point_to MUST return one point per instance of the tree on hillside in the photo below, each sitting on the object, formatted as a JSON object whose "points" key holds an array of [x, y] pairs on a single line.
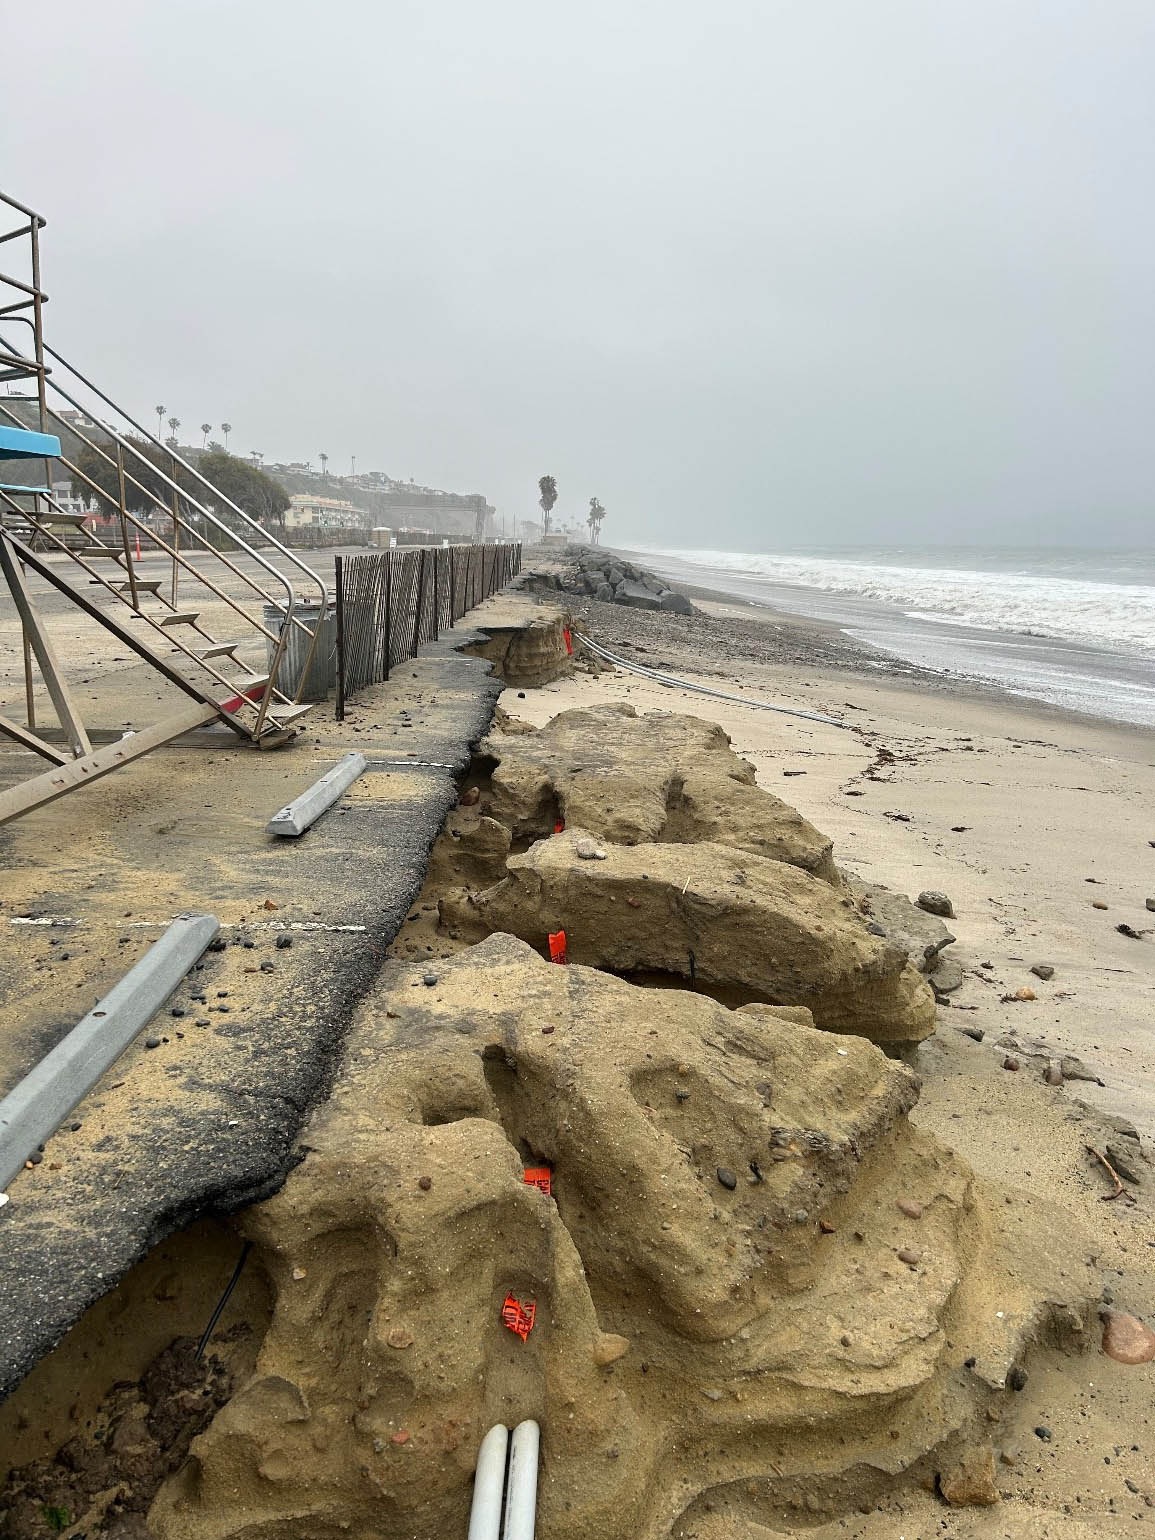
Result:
{"points": [[252, 490], [206, 429], [97, 476], [324, 459], [547, 486], [226, 429], [160, 411], [594, 519], [173, 425]]}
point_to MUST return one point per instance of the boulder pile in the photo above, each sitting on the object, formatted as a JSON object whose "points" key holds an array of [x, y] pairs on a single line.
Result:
{"points": [[611, 579]]}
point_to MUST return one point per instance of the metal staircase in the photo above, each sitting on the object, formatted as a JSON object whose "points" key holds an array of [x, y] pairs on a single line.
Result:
{"points": [[211, 607]]}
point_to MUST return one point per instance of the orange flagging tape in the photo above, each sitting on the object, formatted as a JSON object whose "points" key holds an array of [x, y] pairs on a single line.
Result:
{"points": [[540, 1177], [568, 640], [557, 946], [559, 826], [518, 1317]]}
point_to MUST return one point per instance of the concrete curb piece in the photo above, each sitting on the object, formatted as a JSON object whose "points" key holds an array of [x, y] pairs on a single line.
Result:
{"points": [[304, 810], [35, 1108]]}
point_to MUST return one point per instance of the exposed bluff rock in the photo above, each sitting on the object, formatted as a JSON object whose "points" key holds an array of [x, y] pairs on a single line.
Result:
{"points": [[630, 779], [726, 1191], [750, 928]]}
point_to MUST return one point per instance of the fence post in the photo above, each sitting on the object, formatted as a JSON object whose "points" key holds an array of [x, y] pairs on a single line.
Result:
{"points": [[388, 611], [339, 587], [436, 597], [417, 606]]}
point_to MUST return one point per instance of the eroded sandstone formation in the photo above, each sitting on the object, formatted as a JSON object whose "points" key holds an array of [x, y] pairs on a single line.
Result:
{"points": [[743, 926], [814, 1298], [631, 779]]}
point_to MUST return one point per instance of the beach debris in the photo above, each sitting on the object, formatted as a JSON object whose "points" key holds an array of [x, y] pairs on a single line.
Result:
{"points": [[1130, 931], [519, 1315], [1119, 1191], [1043, 971], [970, 1483], [901, 818], [557, 947], [976, 1034], [1126, 1339], [1024, 992], [934, 902]]}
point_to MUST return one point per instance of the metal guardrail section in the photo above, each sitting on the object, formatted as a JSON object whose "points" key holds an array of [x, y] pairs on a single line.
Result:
{"points": [[390, 602], [147, 489]]}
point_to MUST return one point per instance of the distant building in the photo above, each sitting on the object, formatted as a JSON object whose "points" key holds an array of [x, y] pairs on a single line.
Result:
{"points": [[306, 511]]}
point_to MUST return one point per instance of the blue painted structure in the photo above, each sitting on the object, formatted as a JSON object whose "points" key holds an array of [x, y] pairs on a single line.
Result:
{"points": [[23, 444]]}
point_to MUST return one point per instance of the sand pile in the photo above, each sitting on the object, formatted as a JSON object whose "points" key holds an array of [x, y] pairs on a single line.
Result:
{"points": [[758, 1290]]}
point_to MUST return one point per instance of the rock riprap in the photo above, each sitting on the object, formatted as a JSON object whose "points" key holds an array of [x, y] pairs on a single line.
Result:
{"points": [[749, 928], [689, 1340], [601, 575], [627, 778]]}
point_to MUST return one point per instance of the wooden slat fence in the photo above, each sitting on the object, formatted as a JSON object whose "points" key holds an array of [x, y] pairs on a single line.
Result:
{"points": [[390, 602]]}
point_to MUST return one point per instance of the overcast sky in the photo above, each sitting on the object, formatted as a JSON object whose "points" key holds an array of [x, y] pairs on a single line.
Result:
{"points": [[754, 272]]}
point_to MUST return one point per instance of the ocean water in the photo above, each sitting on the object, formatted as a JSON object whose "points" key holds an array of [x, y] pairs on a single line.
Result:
{"points": [[1075, 628]]}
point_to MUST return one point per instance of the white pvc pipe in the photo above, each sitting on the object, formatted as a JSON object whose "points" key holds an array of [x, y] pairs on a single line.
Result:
{"points": [[521, 1487], [488, 1485]]}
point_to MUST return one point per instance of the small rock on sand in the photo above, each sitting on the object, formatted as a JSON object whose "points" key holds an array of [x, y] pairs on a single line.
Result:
{"points": [[910, 1208], [1053, 1074], [1042, 970], [971, 1482], [935, 903], [609, 1348], [911, 1258], [1151, 905], [1010, 1062], [1098, 904], [727, 1178], [588, 850], [1126, 1339]]}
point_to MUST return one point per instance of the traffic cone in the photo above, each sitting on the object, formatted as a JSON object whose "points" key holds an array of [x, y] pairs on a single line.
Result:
{"points": [[138, 545]]}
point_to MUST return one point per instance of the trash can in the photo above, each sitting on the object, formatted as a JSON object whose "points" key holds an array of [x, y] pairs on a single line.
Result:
{"points": [[322, 675]]}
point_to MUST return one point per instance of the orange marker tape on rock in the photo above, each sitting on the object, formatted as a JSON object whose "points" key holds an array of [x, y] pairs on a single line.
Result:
{"points": [[557, 952], [540, 1177], [568, 640]]}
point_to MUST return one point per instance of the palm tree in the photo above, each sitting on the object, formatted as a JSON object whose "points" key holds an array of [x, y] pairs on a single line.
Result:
{"points": [[594, 519], [547, 486], [160, 411], [206, 429], [173, 425], [324, 459], [226, 429]]}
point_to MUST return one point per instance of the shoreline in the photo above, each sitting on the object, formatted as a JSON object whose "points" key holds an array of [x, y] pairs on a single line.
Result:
{"points": [[940, 638]]}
